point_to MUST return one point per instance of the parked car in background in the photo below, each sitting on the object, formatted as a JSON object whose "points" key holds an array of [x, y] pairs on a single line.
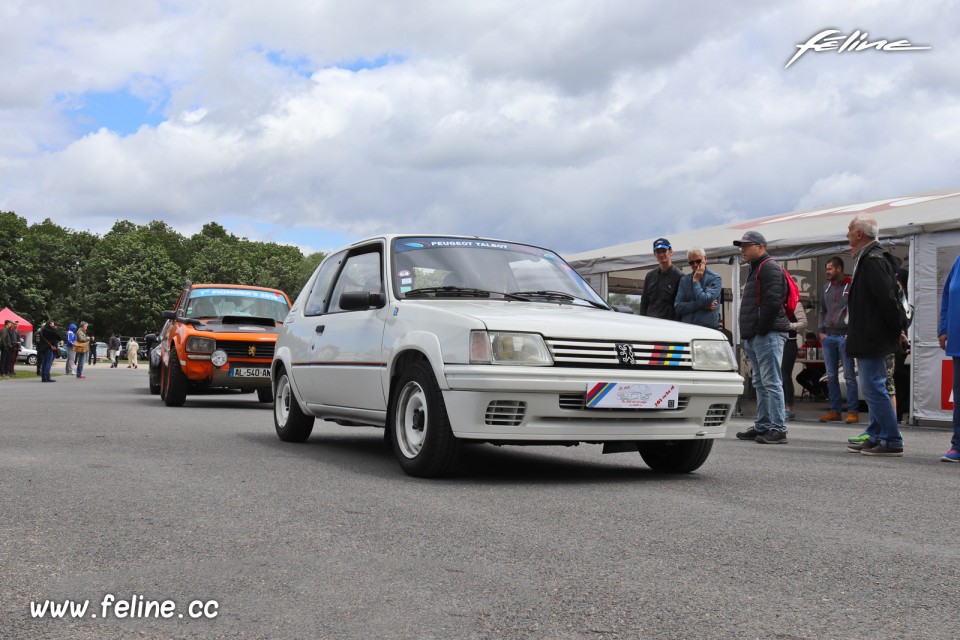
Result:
{"points": [[217, 336], [27, 355], [448, 340]]}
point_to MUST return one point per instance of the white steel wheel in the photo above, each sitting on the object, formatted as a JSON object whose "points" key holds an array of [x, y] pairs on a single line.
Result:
{"points": [[423, 441], [412, 417], [291, 423]]}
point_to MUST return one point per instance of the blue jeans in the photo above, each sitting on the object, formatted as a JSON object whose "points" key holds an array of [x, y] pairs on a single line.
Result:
{"points": [[766, 354], [834, 352], [955, 442], [883, 426], [47, 364], [81, 358]]}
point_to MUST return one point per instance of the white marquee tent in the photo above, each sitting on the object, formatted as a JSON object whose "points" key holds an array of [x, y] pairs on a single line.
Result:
{"points": [[922, 229]]}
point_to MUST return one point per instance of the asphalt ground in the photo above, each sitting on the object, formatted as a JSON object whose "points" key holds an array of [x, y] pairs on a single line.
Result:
{"points": [[103, 490]]}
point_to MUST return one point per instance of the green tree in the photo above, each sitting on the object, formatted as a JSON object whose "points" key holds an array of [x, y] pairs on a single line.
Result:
{"points": [[12, 230], [305, 269], [133, 283]]}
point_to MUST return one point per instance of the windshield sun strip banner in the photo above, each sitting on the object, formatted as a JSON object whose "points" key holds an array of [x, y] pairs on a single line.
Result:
{"points": [[414, 244], [247, 293]]}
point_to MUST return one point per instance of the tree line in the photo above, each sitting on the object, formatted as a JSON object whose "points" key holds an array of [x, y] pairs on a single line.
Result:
{"points": [[123, 281]]}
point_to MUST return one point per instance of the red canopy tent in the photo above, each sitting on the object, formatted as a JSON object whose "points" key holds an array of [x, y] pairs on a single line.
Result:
{"points": [[23, 327]]}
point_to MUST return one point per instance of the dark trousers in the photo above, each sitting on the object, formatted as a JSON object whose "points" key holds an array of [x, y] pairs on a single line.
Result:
{"points": [[786, 370], [4, 361]]}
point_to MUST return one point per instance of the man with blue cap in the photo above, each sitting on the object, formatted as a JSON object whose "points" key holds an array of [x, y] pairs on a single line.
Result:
{"points": [[660, 286]]}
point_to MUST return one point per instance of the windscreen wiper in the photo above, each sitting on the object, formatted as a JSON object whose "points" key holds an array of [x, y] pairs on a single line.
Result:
{"points": [[557, 295], [461, 292], [467, 292]]}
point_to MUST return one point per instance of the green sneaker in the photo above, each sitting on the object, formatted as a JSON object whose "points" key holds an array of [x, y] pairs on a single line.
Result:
{"points": [[858, 439]]}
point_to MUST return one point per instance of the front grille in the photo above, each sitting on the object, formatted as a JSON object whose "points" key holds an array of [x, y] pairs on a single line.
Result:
{"points": [[241, 349], [577, 402], [606, 354], [716, 415], [505, 413]]}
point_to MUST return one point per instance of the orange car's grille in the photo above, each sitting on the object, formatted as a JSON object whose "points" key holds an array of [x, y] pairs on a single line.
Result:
{"points": [[246, 349]]}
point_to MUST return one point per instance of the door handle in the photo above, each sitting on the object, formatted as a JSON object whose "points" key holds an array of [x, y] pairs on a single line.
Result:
{"points": [[320, 329]]}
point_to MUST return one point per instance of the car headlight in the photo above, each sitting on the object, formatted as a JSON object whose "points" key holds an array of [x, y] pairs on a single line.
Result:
{"points": [[197, 344], [505, 347], [218, 358], [712, 355]]}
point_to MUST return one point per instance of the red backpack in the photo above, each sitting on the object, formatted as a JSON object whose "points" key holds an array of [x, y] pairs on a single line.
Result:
{"points": [[793, 291]]}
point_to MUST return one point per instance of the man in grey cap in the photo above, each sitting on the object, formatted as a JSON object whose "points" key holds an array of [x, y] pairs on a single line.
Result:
{"points": [[763, 329], [660, 285]]}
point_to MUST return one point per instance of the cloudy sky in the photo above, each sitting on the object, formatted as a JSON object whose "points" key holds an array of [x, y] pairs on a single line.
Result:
{"points": [[574, 124]]}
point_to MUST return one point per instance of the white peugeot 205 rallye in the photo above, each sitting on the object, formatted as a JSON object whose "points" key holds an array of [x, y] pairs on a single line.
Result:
{"points": [[448, 340]]}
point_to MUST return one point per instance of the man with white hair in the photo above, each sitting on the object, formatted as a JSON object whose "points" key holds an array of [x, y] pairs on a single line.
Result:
{"points": [[698, 296], [873, 332]]}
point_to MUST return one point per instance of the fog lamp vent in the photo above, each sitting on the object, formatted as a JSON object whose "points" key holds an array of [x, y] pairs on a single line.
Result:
{"points": [[716, 415], [505, 413]]}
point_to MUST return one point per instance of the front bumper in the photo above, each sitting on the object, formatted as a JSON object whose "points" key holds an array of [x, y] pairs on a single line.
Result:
{"points": [[202, 372], [540, 404]]}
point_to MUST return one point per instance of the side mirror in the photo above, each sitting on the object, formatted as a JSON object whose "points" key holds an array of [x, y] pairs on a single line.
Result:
{"points": [[169, 315], [361, 300]]}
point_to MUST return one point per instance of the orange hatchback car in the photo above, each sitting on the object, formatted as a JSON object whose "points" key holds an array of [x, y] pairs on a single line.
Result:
{"points": [[217, 336]]}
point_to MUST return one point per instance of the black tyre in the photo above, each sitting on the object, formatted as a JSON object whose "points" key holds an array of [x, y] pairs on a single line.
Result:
{"points": [[32, 359], [163, 381], [153, 377], [423, 442], [675, 456], [265, 395], [175, 382], [292, 424]]}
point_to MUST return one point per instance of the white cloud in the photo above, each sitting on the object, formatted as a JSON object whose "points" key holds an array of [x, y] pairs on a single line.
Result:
{"points": [[573, 124]]}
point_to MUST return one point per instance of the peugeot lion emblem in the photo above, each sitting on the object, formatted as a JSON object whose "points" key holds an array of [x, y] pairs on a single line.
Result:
{"points": [[251, 351], [625, 354]]}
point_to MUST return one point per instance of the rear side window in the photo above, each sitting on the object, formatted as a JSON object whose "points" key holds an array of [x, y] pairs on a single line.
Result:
{"points": [[317, 301]]}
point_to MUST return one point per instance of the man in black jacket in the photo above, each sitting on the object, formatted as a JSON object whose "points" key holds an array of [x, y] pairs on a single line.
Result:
{"points": [[47, 348], [873, 332], [763, 329], [660, 286]]}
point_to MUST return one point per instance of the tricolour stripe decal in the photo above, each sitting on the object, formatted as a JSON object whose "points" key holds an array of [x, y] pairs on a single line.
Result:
{"points": [[598, 391]]}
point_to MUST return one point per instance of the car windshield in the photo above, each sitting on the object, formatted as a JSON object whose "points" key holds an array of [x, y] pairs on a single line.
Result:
{"points": [[216, 303], [473, 268]]}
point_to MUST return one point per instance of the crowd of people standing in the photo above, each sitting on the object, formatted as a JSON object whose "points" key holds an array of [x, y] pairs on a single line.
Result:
{"points": [[861, 330], [76, 346], [10, 342]]}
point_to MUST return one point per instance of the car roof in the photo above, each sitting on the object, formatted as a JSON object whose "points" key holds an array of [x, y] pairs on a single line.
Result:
{"points": [[233, 286]]}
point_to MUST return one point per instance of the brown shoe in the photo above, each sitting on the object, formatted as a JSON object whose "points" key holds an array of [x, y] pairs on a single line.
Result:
{"points": [[852, 417], [831, 416]]}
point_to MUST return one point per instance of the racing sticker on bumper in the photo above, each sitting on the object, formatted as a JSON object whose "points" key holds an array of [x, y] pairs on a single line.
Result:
{"points": [[624, 395]]}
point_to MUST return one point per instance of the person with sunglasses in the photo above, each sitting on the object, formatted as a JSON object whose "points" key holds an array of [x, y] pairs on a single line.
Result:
{"points": [[698, 295]]}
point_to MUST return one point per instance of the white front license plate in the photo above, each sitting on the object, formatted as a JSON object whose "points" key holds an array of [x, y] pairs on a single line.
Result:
{"points": [[250, 372], [624, 395]]}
